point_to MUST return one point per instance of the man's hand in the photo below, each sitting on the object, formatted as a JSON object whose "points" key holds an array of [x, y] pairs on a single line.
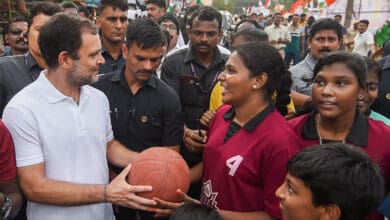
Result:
{"points": [[282, 41], [206, 118], [194, 140], [119, 192], [165, 209]]}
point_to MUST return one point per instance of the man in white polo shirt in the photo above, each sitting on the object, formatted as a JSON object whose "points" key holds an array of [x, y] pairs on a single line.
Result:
{"points": [[278, 35], [62, 131], [364, 40]]}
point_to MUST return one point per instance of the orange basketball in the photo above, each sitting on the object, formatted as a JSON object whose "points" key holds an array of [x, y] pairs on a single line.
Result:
{"points": [[162, 168]]}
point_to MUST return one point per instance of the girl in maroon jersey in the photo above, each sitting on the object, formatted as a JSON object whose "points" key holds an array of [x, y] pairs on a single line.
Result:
{"points": [[339, 81], [249, 140]]}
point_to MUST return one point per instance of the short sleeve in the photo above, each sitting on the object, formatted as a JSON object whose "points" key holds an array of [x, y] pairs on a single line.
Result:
{"points": [[369, 39], [109, 132], [25, 133]]}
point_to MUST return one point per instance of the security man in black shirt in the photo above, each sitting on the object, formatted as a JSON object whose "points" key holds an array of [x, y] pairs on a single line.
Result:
{"points": [[145, 111], [112, 23], [192, 72]]}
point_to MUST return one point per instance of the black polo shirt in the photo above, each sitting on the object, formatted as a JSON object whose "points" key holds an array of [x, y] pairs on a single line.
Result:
{"points": [[151, 117], [111, 64], [16, 72], [193, 83]]}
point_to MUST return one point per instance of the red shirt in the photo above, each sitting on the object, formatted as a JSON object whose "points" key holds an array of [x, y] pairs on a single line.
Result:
{"points": [[372, 136], [7, 155], [243, 170]]}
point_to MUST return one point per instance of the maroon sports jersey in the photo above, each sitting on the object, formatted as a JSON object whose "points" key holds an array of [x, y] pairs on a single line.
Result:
{"points": [[372, 136], [242, 173]]}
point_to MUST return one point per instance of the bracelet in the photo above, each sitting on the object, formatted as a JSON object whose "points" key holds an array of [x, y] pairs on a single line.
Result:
{"points": [[105, 193]]}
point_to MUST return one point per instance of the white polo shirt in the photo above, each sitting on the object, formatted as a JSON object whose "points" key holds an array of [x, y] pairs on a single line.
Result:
{"points": [[70, 138], [362, 42], [274, 33]]}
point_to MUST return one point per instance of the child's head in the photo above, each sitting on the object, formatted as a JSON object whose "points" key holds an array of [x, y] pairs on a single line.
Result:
{"points": [[372, 85], [336, 181], [339, 79], [191, 211]]}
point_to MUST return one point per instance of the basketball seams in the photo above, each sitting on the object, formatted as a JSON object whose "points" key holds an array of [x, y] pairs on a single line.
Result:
{"points": [[171, 172]]}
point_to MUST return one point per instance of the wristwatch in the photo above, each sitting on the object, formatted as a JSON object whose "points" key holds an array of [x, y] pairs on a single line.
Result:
{"points": [[5, 209]]}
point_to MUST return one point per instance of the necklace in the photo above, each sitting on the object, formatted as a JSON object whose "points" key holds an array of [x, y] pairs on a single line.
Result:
{"points": [[318, 129]]}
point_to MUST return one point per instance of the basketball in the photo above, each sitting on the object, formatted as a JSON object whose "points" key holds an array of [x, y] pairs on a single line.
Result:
{"points": [[164, 169]]}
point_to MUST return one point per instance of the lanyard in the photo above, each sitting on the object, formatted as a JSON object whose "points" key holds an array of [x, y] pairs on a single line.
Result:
{"points": [[210, 86]]}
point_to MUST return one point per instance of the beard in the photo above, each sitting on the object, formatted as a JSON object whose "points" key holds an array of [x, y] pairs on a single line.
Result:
{"points": [[80, 75]]}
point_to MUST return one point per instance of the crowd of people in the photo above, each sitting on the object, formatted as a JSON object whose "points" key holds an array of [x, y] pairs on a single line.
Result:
{"points": [[288, 120]]}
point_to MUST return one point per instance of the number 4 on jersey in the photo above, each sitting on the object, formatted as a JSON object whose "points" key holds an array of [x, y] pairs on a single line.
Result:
{"points": [[233, 163]]}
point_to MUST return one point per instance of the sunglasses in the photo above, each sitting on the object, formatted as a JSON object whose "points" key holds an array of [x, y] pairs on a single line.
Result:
{"points": [[15, 31]]}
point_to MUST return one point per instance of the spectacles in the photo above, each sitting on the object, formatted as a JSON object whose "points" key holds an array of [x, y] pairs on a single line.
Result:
{"points": [[15, 31], [168, 27]]}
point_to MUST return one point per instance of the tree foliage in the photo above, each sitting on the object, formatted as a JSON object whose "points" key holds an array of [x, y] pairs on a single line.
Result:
{"points": [[225, 5]]}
